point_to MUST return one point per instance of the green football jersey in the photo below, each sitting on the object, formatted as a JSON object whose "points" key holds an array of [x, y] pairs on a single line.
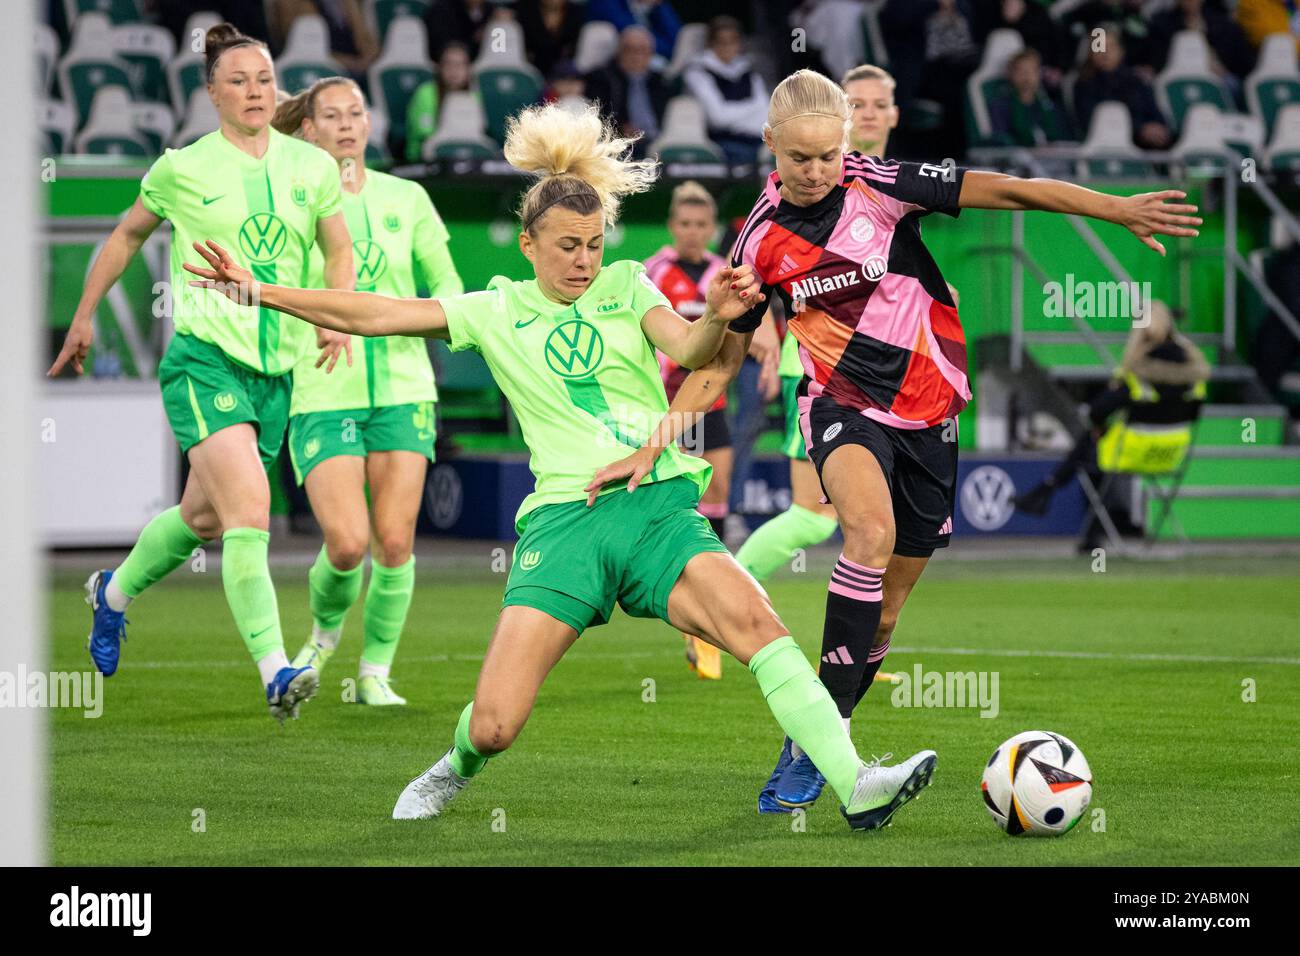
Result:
{"points": [[264, 212], [396, 234], [582, 378]]}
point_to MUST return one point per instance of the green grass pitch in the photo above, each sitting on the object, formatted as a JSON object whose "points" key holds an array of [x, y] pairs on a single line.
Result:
{"points": [[1143, 666]]}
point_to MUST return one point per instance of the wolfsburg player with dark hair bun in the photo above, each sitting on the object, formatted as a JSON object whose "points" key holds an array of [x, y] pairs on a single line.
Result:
{"points": [[225, 378], [370, 423], [574, 352]]}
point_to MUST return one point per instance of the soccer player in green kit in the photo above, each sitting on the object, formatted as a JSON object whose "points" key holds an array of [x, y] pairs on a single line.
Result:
{"points": [[574, 352], [371, 422], [225, 378]]}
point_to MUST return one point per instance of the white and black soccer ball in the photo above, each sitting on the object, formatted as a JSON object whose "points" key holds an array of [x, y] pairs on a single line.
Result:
{"points": [[1037, 784]]}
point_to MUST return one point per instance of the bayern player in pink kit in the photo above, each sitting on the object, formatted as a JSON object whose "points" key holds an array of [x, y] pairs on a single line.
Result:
{"points": [[836, 235]]}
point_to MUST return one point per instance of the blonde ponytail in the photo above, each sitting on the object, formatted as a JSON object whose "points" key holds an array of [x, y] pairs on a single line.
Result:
{"points": [[580, 162]]}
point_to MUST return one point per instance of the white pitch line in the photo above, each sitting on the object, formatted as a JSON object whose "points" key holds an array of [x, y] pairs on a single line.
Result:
{"points": [[1100, 655]]}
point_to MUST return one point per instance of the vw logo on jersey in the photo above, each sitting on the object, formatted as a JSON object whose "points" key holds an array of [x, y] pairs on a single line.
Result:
{"points": [[529, 560], [312, 448], [371, 261], [875, 267], [986, 497], [832, 431], [446, 496], [862, 229], [298, 193], [225, 402], [391, 222], [263, 236], [574, 349]]}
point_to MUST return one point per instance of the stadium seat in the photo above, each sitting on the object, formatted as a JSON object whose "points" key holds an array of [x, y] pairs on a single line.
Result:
{"points": [[1187, 79], [57, 121], [306, 56], [1201, 144], [200, 119], [1108, 149], [381, 13], [1283, 152], [377, 151], [186, 71], [46, 43], [147, 49], [506, 82], [691, 40], [988, 78], [402, 66], [110, 129], [577, 105], [597, 44], [118, 11], [1276, 79], [156, 123], [460, 131], [874, 47], [90, 63], [685, 138]]}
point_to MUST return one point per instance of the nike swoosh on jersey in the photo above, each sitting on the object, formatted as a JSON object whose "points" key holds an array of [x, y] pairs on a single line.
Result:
{"points": [[208, 202], [536, 316]]}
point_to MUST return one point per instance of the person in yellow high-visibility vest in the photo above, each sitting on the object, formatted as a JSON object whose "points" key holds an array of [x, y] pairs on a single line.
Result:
{"points": [[1142, 421]]}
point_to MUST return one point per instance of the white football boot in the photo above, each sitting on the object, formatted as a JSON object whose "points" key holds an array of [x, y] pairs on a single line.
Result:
{"points": [[427, 794], [880, 791]]}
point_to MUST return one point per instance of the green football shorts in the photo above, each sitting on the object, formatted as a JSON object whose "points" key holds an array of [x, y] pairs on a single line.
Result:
{"points": [[318, 436], [204, 390], [792, 446], [575, 562]]}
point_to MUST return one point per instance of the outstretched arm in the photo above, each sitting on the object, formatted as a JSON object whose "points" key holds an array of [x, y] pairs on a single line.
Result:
{"points": [[695, 397], [1146, 215], [356, 313]]}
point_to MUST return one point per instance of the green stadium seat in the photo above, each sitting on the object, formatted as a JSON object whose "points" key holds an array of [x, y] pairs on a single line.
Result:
{"points": [[1108, 150], [57, 122], [460, 131], [597, 45], [403, 66], [684, 137], [185, 73], [110, 129], [1187, 80], [1283, 152], [306, 55], [505, 80], [1275, 81], [147, 49], [118, 11], [91, 63], [381, 13], [155, 123], [988, 80], [200, 119]]}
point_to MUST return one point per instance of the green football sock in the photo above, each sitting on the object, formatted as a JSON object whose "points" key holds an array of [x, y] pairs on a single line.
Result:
{"points": [[162, 547], [332, 591], [775, 541], [387, 600], [249, 591], [465, 760], [806, 712]]}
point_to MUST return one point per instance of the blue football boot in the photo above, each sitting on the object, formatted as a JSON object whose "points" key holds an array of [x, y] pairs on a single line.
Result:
{"points": [[292, 685], [767, 796], [800, 785], [108, 627]]}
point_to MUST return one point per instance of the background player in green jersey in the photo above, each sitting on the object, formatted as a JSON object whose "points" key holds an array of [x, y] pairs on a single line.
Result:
{"points": [[573, 351], [225, 378], [373, 422]]}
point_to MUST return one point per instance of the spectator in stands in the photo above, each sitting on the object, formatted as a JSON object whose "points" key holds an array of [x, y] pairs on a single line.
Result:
{"points": [[730, 90], [655, 15], [1105, 76], [1276, 348], [630, 91], [833, 34], [426, 102], [564, 81], [1259, 18], [951, 56], [463, 21], [1126, 17], [551, 29], [1161, 373], [1231, 55], [352, 42], [1025, 115], [1035, 26]]}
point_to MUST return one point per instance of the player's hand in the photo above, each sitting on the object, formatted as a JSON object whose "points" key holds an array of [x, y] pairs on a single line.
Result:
{"points": [[75, 346], [634, 468], [332, 344], [226, 276], [733, 292], [1147, 215]]}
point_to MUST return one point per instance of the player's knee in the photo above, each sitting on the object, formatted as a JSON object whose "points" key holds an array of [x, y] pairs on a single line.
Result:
{"points": [[868, 538], [205, 525], [489, 733], [393, 549], [346, 551]]}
